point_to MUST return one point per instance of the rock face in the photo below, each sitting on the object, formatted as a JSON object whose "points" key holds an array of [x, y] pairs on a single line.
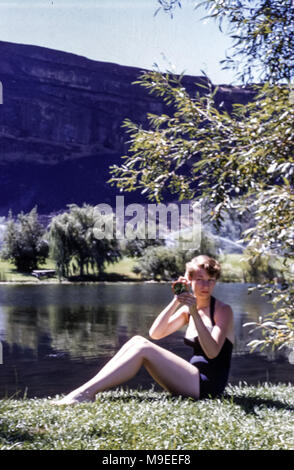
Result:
{"points": [[61, 126]]}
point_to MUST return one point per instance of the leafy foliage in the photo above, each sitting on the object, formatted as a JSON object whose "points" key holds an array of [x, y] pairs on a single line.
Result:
{"points": [[168, 6], [238, 161], [161, 263], [262, 31], [169, 262], [24, 242], [135, 247], [74, 238]]}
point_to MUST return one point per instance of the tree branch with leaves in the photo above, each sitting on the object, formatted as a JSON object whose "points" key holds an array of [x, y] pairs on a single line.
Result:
{"points": [[235, 161]]}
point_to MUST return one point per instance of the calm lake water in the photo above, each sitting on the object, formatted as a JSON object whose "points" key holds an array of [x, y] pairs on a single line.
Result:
{"points": [[55, 337]]}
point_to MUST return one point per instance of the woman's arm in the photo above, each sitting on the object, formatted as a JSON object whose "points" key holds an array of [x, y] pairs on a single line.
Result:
{"points": [[169, 320], [211, 342]]}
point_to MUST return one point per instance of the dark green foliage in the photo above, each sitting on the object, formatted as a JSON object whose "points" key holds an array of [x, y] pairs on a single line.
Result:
{"points": [[137, 246], [163, 262], [24, 242], [75, 242]]}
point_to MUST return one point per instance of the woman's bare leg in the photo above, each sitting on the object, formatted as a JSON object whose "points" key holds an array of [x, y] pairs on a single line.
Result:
{"points": [[169, 370]]}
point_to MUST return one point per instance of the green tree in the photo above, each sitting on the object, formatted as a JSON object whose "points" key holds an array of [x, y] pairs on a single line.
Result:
{"points": [[24, 242], [60, 243], [163, 262], [239, 160], [136, 247], [75, 241], [167, 262]]}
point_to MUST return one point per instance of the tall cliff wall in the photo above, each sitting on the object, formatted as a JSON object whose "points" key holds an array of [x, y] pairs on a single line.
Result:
{"points": [[61, 125]]}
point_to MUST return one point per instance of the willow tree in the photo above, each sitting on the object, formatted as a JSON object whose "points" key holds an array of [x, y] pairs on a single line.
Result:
{"points": [[76, 244], [239, 160]]}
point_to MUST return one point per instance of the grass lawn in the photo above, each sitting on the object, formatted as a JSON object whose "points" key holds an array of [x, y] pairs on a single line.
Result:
{"points": [[247, 417], [123, 267], [234, 269], [122, 270], [9, 273]]}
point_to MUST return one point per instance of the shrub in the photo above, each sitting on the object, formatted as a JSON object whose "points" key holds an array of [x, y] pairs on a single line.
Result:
{"points": [[24, 242]]}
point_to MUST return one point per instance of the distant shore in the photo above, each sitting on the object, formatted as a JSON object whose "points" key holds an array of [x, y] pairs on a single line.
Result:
{"points": [[234, 269]]}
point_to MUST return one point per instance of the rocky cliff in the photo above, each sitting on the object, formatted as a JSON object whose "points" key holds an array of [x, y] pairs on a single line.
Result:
{"points": [[61, 125]]}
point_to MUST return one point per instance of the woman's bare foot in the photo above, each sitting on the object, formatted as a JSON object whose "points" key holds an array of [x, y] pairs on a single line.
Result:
{"points": [[74, 398]]}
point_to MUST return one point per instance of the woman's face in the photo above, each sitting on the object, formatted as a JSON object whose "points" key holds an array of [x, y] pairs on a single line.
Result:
{"points": [[202, 283]]}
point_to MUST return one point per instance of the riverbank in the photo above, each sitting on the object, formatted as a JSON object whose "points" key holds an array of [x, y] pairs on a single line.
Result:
{"points": [[116, 272], [234, 269], [247, 417]]}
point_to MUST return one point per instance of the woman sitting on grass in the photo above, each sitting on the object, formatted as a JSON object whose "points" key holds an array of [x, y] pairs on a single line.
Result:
{"points": [[210, 332]]}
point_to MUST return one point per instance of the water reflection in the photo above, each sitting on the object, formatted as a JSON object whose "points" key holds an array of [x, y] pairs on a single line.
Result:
{"points": [[56, 336]]}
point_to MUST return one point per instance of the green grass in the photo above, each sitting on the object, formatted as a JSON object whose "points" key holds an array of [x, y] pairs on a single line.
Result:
{"points": [[122, 270], [246, 418], [9, 273], [234, 269]]}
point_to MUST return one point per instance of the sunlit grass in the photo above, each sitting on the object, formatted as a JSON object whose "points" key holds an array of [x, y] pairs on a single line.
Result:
{"points": [[246, 418], [8, 272], [234, 269], [122, 269]]}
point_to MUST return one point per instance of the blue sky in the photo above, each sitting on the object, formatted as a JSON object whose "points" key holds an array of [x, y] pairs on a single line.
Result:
{"points": [[120, 31]]}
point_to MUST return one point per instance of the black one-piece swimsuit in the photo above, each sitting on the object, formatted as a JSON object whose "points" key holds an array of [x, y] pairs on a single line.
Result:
{"points": [[214, 373]]}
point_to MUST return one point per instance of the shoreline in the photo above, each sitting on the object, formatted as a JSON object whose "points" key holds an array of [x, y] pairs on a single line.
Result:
{"points": [[233, 272], [122, 281]]}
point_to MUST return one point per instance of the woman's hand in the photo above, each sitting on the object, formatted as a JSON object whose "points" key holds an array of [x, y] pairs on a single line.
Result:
{"points": [[189, 299], [186, 297]]}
